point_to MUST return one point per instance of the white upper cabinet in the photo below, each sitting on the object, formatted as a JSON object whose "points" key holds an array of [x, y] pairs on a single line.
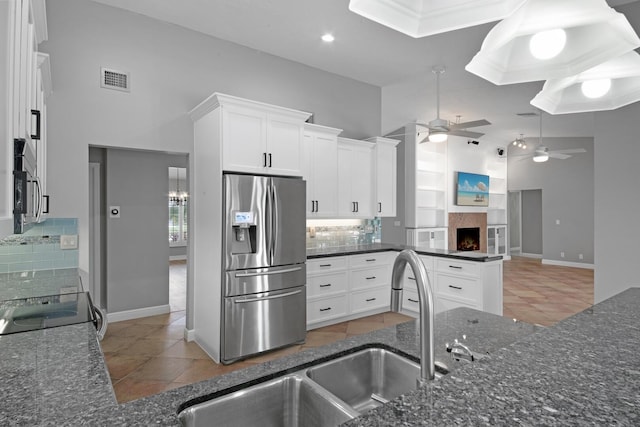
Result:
{"points": [[321, 170], [385, 176], [355, 178], [257, 138]]}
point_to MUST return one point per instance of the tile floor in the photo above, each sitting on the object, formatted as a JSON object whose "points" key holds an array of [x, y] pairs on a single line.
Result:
{"points": [[146, 356]]}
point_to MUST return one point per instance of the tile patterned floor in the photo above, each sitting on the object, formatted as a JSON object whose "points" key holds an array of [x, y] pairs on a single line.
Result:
{"points": [[146, 356]]}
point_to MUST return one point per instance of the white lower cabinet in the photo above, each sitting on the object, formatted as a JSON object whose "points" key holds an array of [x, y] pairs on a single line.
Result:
{"points": [[457, 283], [347, 287]]}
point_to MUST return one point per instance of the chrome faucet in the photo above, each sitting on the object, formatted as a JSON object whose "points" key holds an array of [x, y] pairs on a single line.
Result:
{"points": [[427, 312]]}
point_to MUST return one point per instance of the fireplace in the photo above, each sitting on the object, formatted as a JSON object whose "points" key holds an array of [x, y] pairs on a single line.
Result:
{"points": [[468, 239]]}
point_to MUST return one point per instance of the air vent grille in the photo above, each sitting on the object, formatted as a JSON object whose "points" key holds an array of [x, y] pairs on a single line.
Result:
{"points": [[529, 114], [113, 79]]}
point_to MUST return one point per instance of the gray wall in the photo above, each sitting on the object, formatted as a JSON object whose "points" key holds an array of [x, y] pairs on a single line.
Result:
{"points": [[617, 154], [567, 194], [172, 70], [531, 222]]}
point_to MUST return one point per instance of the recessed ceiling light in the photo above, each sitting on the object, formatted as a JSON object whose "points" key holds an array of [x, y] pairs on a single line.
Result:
{"points": [[596, 88], [328, 38]]}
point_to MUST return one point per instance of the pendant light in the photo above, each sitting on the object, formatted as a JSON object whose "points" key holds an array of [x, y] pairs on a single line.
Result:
{"points": [[541, 153], [551, 39], [422, 18], [607, 86]]}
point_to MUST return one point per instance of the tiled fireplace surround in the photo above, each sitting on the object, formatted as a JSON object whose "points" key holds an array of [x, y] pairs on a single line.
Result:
{"points": [[468, 220]]}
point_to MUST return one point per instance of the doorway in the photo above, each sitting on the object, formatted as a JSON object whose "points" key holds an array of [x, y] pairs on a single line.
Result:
{"points": [[178, 237], [525, 223]]}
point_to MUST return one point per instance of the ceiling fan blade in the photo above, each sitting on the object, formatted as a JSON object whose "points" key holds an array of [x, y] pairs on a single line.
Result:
{"points": [[465, 133], [472, 124], [569, 151], [556, 155]]}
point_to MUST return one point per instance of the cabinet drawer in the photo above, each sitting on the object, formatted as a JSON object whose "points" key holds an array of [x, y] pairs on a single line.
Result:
{"points": [[370, 277], [410, 300], [447, 265], [326, 264], [372, 259], [459, 288], [370, 299], [444, 304], [410, 278], [427, 261], [326, 308], [326, 284]]}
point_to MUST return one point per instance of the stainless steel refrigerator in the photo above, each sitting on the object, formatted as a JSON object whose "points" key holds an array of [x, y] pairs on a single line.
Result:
{"points": [[265, 274]]}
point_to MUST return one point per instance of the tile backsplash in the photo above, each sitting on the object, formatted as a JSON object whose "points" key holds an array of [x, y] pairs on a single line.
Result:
{"points": [[39, 248], [331, 233]]}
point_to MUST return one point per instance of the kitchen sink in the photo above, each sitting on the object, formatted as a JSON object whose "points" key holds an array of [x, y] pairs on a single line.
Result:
{"points": [[325, 394], [288, 401], [367, 379]]}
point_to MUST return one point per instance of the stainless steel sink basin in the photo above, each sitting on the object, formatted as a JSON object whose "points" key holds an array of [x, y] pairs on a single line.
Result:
{"points": [[288, 401], [326, 394], [367, 379]]}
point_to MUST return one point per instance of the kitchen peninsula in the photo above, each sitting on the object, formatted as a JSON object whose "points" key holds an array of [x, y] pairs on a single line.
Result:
{"points": [[568, 374]]}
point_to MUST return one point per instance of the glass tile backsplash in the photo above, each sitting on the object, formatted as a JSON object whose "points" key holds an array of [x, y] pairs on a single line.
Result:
{"points": [[39, 248], [332, 233]]}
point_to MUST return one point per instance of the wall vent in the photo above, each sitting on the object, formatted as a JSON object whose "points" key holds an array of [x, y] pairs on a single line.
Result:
{"points": [[113, 79], [528, 114]]}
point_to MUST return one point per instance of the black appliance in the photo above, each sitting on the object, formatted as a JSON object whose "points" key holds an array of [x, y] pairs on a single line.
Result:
{"points": [[28, 200]]}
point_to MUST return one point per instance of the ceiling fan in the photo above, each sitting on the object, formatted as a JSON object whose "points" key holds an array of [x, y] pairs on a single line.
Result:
{"points": [[542, 153], [439, 129]]}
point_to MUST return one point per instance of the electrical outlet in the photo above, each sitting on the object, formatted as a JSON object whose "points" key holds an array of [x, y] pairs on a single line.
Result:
{"points": [[69, 241], [561, 254], [557, 222], [580, 256], [396, 223]]}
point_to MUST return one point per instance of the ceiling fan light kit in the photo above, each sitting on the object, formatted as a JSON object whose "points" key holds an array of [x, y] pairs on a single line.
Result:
{"points": [[586, 33], [563, 96], [420, 18]]}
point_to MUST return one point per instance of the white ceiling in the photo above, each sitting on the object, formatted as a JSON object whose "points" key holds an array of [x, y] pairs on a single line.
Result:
{"points": [[372, 53]]}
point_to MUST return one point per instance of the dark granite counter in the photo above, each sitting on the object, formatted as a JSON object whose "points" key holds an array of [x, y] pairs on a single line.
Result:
{"points": [[323, 252], [583, 371]]}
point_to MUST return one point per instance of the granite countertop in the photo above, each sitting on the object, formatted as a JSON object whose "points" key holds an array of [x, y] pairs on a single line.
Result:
{"points": [[322, 252], [582, 371]]}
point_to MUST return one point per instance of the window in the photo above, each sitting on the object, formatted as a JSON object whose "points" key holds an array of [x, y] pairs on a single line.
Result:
{"points": [[178, 207]]}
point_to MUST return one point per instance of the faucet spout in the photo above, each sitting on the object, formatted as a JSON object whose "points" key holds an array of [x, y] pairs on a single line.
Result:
{"points": [[426, 302]]}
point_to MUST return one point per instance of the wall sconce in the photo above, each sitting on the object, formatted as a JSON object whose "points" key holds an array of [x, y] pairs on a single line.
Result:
{"points": [[549, 39], [607, 86]]}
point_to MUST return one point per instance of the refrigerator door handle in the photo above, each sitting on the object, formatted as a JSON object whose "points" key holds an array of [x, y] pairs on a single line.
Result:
{"points": [[267, 273], [274, 210], [288, 294]]}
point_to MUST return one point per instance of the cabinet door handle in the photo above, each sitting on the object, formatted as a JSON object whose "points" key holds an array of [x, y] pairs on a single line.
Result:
{"points": [[36, 114], [45, 197], [411, 278], [455, 287], [370, 260], [270, 163], [379, 207], [325, 265], [456, 267], [353, 206], [325, 309], [371, 277], [357, 207], [264, 160], [317, 206], [413, 300], [370, 299], [325, 286]]}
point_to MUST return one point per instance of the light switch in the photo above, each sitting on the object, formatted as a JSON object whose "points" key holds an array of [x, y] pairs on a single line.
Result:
{"points": [[557, 222], [69, 241]]}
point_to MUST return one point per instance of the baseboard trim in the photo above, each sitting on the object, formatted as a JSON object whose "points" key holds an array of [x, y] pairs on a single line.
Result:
{"points": [[189, 334], [526, 255], [568, 264], [138, 313]]}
